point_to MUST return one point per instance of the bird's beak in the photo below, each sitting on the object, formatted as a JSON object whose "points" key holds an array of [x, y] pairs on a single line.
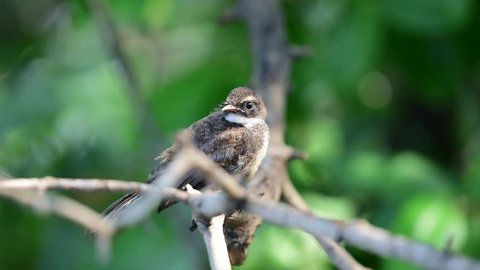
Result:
{"points": [[229, 108]]}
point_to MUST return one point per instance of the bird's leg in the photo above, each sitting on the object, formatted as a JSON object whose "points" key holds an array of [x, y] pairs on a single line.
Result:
{"points": [[194, 225]]}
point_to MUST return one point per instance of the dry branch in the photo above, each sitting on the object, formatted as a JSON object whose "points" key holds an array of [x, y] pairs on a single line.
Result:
{"points": [[339, 256], [212, 231], [271, 77], [51, 183], [358, 233]]}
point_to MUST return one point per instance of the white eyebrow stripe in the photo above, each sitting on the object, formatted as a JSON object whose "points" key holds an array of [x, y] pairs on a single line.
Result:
{"points": [[248, 98]]}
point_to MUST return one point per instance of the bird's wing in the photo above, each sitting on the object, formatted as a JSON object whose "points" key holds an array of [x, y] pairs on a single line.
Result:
{"points": [[221, 150], [225, 149], [217, 141], [214, 142]]}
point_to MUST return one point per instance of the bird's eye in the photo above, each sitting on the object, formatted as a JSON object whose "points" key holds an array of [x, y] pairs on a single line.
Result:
{"points": [[248, 105]]}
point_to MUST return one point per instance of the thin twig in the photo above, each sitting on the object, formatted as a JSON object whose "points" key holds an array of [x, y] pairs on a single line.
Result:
{"points": [[292, 197], [339, 256], [214, 239], [86, 185], [212, 231]]}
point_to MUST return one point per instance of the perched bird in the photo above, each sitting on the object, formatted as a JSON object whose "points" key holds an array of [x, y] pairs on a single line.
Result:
{"points": [[235, 136]]}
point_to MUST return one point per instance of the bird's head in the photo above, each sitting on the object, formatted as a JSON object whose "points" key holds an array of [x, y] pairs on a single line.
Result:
{"points": [[243, 106]]}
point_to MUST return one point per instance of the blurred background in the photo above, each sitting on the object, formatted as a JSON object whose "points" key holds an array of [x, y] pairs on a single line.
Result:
{"points": [[387, 106]]}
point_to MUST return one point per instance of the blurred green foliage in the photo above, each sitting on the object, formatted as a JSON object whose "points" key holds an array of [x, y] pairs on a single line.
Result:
{"points": [[387, 107]]}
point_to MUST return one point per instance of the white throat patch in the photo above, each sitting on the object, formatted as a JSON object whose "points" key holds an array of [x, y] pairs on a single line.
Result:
{"points": [[246, 122]]}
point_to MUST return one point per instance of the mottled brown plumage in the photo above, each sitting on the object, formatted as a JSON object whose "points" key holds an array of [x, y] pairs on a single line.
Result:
{"points": [[235, 136]]}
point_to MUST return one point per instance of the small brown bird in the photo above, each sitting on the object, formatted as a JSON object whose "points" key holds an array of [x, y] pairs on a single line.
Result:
{"points": [[235, 136]]}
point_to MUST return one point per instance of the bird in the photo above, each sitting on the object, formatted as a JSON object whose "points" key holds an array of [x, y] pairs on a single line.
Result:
{"points": [[235, 136]]}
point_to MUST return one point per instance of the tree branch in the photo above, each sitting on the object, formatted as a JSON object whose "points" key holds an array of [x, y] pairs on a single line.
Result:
{"points": [[339, 256], [212, 231], [291, 196], [214, 239], [271, 77], [358, 233], [49, 183]]}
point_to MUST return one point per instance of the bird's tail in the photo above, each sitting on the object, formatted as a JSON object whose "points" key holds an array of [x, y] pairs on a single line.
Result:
{"points": [[114, 210], [121, 204]]}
